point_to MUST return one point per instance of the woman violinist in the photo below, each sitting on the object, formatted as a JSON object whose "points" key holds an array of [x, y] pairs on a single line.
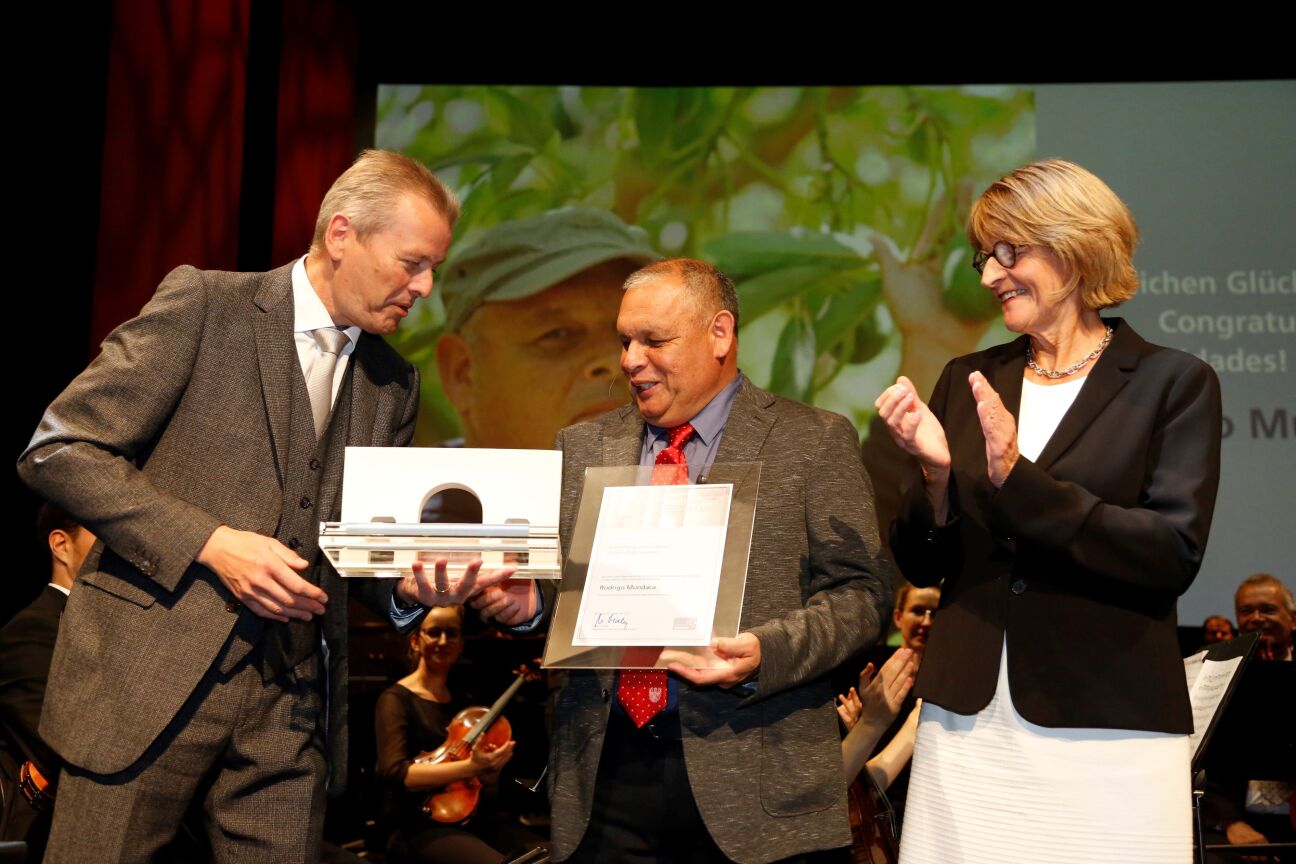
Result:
{"points": [[413, 717]]}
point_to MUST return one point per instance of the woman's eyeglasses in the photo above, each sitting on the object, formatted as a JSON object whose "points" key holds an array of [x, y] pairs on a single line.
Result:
{"points": [[1003, 252]]}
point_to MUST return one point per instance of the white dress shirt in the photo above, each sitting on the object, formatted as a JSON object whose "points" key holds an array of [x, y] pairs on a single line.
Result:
{"points": [[310, 315]]}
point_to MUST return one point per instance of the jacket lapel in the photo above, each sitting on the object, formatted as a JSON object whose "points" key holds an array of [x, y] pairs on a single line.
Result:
{"points": [[1105, 380], [748, 425], [622, 437], [276, 355], [1006, 376], [362, 429], [364, 396]]}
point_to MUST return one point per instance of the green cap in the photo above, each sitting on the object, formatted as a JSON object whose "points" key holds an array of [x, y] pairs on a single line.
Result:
{"points": [[517, 259]]}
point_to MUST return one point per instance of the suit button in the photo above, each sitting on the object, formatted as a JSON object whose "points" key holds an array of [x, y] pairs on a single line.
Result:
{"points": [[1019, 587], [232, 606], [606, 694], [313, 464], [294, 543], [305, 503]]}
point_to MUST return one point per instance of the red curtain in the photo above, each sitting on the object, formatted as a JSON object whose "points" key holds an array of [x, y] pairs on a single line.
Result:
{"points": [[317, 110], [173, 148], [174, 139]]}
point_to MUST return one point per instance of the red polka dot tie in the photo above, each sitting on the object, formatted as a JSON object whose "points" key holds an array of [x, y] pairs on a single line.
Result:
{"points": [[642, 692]]}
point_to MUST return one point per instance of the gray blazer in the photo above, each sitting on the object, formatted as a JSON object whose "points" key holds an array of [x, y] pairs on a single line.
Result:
{"points": [[766, 768], [179, 426]]}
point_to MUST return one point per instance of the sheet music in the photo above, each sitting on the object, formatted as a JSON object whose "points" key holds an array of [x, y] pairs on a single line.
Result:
{"points": [[1208, 681], [1192, 668]]}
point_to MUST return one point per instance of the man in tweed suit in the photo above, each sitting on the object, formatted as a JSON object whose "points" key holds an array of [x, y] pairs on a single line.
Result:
{"points": [[744, 762], [203, 446]]}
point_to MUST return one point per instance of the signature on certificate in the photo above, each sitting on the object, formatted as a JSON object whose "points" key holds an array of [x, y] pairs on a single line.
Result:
{"points": [[611, 621]]}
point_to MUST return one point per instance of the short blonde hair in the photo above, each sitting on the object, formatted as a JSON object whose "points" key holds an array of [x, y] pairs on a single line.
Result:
{"points": [[368, 191], [1067, 209]]}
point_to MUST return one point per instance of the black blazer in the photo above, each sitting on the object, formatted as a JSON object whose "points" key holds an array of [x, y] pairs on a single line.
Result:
{"points": [[26, 647], [1078, 559]]}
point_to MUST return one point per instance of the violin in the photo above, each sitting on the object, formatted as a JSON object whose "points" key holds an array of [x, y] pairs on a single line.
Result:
{"points": [[475, 725], [874, 837]]}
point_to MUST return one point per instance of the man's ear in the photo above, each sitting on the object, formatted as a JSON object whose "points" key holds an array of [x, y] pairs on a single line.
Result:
{"points": [[722, 333], [337, 234], [60, 546]]}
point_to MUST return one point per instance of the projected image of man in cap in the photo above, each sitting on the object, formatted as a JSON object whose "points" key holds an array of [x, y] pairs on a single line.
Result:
{"points": [[530, 344]]}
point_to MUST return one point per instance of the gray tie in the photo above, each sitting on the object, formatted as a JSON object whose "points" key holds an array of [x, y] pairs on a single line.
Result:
{"points": [[319, 386]]}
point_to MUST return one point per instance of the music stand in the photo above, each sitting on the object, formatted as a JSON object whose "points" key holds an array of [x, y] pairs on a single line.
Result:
{"points": [[1249, 733]]}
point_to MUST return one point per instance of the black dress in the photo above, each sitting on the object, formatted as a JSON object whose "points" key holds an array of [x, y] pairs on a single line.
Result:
{"points": [[407, 725], [26, 649]]}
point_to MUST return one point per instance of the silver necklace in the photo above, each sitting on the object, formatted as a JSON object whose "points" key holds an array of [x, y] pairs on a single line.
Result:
{"points": [[1070, 370]]}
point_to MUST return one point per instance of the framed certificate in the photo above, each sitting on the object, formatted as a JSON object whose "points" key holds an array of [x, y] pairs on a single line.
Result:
{"points": [[654, 573]]}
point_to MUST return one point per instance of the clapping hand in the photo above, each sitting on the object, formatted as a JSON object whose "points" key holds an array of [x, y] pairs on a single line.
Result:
{"points": [[999, 428]]}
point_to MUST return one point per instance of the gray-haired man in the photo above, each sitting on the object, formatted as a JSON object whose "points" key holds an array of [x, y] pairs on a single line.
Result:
{"points": [[203, 446]]}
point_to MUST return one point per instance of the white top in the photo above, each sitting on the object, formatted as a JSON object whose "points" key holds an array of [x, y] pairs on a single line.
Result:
{"points": [[994, 788], [310, 315], [1042, 409]]}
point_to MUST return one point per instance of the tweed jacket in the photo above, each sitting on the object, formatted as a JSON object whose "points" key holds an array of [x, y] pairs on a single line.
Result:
{"points": [[178, 426], [764, 768]]}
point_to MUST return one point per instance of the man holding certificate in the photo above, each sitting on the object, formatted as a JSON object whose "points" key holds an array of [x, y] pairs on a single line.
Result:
{"points": [[740, 759]]}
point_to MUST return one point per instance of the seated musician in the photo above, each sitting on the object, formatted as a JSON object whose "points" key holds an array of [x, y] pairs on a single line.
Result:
{"points": [[868, 713], [915, 610], [877, 702], [412, 717], [26, 650]]}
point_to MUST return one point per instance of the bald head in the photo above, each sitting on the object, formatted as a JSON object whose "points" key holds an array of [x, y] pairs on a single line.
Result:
{"points": [[707, 288], [679, 343]]}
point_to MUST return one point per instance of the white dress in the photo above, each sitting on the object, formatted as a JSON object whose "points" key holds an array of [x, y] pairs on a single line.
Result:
{"points": [[996, 788]]}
